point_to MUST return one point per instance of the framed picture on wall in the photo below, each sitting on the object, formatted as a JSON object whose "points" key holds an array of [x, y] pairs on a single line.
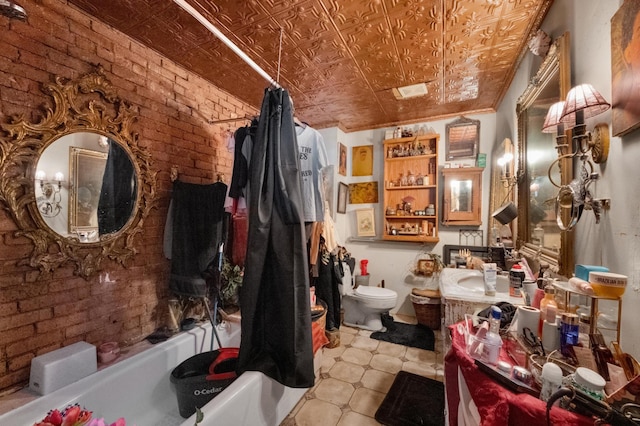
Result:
{"points": [[363, 192], [343, 193], [365, 221], [362, 160], [625, 68], [342, 159]]}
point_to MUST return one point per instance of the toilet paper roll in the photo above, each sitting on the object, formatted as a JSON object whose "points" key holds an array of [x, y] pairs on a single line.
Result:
{"points": [[528, 317]]}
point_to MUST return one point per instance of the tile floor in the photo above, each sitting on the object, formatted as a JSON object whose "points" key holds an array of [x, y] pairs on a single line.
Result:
{"points": [[355, 377]]}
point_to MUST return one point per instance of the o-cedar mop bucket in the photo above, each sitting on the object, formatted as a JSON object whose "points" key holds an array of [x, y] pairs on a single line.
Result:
{"points": [[202, 377]]}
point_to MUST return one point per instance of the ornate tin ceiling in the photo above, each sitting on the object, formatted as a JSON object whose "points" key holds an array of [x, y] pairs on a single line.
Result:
{"points": [[340, 59]]}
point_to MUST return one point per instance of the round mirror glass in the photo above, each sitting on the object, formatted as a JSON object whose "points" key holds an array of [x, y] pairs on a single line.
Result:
{"points": [[85, 186]]}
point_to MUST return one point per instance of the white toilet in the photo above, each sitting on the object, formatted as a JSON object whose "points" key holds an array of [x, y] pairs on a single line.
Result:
{"points": [[364, 306]]}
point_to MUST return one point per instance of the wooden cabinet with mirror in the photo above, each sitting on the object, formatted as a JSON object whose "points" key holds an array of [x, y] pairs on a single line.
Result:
{"points": [[411, 189], [462, 196]]}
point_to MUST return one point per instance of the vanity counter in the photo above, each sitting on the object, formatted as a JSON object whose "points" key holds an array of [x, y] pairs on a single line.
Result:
{"points": [[462, 293]]}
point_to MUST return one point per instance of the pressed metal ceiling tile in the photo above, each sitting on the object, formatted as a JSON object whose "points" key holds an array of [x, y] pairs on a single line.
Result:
{"points": [[341, 58]]}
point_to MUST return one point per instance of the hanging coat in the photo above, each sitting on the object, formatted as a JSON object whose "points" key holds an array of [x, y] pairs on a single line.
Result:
{"points": [[276, 311]]}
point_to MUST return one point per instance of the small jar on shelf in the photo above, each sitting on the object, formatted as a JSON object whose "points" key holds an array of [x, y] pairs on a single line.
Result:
{"points": [[411, 179]]}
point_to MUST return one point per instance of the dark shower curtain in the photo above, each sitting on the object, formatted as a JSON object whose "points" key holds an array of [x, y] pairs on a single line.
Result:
{"points": [[276, 312]]}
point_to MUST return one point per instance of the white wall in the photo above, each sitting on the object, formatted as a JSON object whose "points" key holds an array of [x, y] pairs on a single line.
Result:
{"points": [[392, 261], [615, 241]]}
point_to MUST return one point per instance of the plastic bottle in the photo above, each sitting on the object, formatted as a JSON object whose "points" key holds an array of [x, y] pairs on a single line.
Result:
{"points": [[494, 320], [363, 267], [550, 330], [516, 277], [584, 329], [493, 341], [548, 300], [569, 331]]}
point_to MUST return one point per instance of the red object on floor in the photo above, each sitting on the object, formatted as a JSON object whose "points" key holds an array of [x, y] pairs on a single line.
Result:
{"points": [[496, 404], [319, 337]]}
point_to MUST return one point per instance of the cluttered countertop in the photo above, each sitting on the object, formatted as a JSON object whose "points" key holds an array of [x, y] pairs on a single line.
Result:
{"points": [[542, 358]]}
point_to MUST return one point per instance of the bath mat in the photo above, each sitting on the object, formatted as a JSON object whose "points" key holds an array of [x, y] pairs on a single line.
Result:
{"points": [[413, 400], [416, 336]]}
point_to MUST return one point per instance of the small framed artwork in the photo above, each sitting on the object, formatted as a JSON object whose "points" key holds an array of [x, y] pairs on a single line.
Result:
{"points": [[362, 160], [365, 221], [625, 68], [342, 159], [343, 192]]}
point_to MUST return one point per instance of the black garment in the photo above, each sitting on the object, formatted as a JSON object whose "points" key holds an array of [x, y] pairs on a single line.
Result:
{"points": [[240, 169], [199, 225], [119, 190], [329, 276], [276, 311]]}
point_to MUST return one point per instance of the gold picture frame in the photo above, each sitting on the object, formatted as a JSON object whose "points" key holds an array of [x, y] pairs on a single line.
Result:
{"points": [[365, 223], [86, 169]]}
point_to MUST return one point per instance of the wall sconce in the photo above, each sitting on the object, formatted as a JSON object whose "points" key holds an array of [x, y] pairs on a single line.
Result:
{"points": [[505, 161], [582, 102], [553, 124], [50, 205]]}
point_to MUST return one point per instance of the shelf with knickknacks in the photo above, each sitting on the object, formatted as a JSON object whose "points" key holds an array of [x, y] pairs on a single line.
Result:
{"points": [[411, 188]]}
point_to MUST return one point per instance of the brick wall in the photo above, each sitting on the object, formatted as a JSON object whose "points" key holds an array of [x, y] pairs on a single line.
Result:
{"points": [[39, 314]]}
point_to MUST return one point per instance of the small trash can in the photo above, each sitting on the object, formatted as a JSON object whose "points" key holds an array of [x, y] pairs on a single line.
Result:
{"points": [[202, 377], [427, 305]]}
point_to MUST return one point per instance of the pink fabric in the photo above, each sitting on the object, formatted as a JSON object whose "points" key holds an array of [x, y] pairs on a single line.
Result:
{"points": [[496, 404]]}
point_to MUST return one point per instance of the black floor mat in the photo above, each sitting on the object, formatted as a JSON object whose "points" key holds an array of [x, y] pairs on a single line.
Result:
{"points": [[413, 401], [417, 336]]}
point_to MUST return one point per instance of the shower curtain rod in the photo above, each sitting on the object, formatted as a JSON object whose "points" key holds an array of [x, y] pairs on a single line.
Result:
{"points": [[215, 31]]}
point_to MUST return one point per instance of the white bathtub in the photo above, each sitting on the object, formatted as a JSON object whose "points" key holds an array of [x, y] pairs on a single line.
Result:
{"points": [[138, 389]]}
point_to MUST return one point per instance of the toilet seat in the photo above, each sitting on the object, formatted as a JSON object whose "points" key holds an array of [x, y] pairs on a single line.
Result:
{"points": [[374, 292]]}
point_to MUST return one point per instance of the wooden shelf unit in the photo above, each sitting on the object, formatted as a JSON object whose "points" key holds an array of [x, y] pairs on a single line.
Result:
{"points": [[418, 156]]}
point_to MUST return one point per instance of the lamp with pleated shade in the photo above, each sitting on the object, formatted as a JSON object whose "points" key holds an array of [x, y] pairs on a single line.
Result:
{"points": [[553, 123], [583, 101]]}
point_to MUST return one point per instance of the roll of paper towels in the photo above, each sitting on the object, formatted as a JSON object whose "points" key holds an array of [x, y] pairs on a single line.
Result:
{"points": [[528, 317]]}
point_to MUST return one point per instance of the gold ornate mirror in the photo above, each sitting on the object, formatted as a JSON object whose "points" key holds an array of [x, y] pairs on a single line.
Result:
{"points": [[77, 183], [539, 237]]}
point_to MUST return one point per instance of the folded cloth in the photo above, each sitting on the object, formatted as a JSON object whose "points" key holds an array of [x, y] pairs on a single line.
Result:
{"points": [[199, 226]]}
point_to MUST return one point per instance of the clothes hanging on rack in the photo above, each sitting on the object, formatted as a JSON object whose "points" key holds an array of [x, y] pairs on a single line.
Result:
{"points": [[237, 203], [313, 158], [240, 175], [276, 313], [327, 283]]}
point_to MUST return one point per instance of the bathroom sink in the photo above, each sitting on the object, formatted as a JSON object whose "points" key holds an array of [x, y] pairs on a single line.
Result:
{"points": [[468, 284], [472, 282]]}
